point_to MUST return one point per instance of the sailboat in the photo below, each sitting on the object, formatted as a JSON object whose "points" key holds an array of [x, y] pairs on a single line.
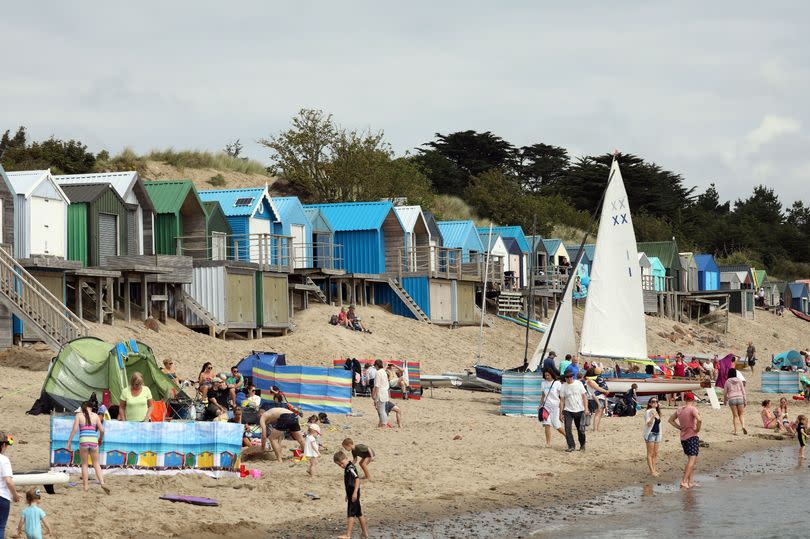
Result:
{"points": [[614, 325]]}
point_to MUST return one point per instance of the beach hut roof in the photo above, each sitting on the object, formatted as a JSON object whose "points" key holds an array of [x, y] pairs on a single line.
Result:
{"points": [[643, 261], [665, 251], [352, 216], [512, 246], [320, 224], [245, 202], [79, 193], [573, 251], [515, 232], [705, 262], [798, 290], [168, 196], [760, 276], [212, 208], [122, 182], [25, 182], [552, 245], [656, 264], [435, 233], [287, 206], [536, 242], [409, 216], [687, 260], [489, 239], [456, 234], [735, 267]]}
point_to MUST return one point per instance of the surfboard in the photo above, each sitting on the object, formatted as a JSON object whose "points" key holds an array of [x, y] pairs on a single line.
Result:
{"points": [[193, 500]]}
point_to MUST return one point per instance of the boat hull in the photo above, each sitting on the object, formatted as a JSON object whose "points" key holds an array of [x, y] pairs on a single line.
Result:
{"points": [[801, 315], [652, 386], [489, 375]]}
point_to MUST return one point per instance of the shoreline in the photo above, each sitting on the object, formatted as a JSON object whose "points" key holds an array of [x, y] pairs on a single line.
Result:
{"points": [[460, 515]]}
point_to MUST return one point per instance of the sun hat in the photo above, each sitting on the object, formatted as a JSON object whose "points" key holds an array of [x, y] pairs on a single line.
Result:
{"points": [[315, 427], [688, 396]]}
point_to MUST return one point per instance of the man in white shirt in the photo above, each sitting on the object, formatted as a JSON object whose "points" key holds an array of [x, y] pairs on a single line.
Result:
{"points": [[380, 392], [573, 404]]}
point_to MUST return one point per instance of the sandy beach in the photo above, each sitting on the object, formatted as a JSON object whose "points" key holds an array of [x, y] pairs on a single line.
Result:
{"points": [[455, 455]]}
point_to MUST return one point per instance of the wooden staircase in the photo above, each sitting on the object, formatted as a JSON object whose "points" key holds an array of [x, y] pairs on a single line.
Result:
{"points": [[409, 302], [488, 320], [215, 327], [106, 310], [36, 306], [316, 290]]}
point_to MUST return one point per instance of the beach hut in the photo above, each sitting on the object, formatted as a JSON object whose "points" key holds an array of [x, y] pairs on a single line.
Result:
{"points": [[179, 213], [730, 280], [7, 222], [293, 222], [417, 238], [173, 460], [516, 233], [205, 460], [62, 457], [41, 214], [658, 272], [557, 253], [272, 302], [512, 265], [690, 267], [744, 272], [496, 247], [797, 296], [97, 219], [323, 239], [462, 235], [140, 212], [370, 235], [667, 254], [435, 238], [218, 231], [536, 245], [585, 262], [147, 459], [116, 458], [708, 272], [647, 281], [227, 290], [251, 213], [227, 460]]}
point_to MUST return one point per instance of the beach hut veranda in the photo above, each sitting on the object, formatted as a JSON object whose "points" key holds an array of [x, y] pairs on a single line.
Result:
{"points": [[97, 218], [522, 241], [418, 252], [139, 217], [294, 223], [708, 273]]}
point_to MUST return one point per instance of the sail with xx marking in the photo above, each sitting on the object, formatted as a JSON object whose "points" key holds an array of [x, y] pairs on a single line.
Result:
{"points": [[614, 325]]}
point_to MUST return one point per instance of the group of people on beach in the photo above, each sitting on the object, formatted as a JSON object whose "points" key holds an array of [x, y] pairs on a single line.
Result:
{"points": [[349, 320]]}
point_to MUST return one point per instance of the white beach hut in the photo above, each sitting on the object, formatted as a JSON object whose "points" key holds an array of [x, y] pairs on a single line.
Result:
{"points": [[41, 214]]}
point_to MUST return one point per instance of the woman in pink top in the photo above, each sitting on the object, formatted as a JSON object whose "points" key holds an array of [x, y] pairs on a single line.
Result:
{"points": [[735, 399]]}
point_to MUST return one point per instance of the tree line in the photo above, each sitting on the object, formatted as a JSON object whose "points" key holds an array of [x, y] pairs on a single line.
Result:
{"points": [[538, 185]]}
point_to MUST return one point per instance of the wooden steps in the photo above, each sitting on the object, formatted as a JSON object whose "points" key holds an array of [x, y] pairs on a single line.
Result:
{"points": [[409, 302], [316, 291], [215, 327], [488, 320], [36, 306]]}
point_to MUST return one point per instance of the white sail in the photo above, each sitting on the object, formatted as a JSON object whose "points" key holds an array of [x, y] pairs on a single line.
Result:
{"points": [[614, 325], [562, 340]]}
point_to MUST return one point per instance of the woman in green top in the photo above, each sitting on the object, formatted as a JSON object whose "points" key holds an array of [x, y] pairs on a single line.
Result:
{"points": [[136, 401]]}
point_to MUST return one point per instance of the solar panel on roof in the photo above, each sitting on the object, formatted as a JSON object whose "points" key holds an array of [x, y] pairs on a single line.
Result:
{"points": [[244, 201]]}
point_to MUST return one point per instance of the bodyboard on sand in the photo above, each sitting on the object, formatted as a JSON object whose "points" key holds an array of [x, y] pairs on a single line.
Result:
{"points": [[710, 392], [193, 500]]}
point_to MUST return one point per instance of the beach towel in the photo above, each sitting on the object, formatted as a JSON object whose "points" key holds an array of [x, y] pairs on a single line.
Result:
{"points": [[722, 372]]}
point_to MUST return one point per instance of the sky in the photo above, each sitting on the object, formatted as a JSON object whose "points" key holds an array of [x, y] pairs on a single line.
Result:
{"points": [[717, 92]]}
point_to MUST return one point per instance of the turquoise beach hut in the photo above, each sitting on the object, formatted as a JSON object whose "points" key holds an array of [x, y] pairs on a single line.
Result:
{"points": [[461, 235], [659, 273]]}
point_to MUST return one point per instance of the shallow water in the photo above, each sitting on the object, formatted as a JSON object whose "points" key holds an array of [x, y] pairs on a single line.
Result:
{"points": [[762, 494]]}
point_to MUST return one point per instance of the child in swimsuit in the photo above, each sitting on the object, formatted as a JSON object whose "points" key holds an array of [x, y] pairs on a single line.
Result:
{"points": [[801, 434]]}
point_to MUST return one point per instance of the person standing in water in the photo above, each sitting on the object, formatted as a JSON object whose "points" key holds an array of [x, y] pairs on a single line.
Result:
{"points": [[687, 420]]}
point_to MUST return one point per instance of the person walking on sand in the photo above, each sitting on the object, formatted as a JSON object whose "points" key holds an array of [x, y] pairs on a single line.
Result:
{"points": [[736, 399], [687, 420], [8, 493], [750, 356], [351, 482], [91, 436], [652, 434], [33, 517], [549, 411], [380, 394], [311, 449], [573, 404]]}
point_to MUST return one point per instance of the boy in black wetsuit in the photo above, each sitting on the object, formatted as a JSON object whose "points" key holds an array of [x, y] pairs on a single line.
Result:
{"points": [[351, 481]]}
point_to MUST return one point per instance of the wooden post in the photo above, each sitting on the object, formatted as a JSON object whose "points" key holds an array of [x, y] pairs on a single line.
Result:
{"points": [[340, 292], [99, 296], [127, 299], [111, 298], [79, 310], [144, 298], [164, 311]]}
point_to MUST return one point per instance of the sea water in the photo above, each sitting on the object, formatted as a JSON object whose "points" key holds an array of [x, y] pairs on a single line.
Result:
{"points": [[762, 494]]}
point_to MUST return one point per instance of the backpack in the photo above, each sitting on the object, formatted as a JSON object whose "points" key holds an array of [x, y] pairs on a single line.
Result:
{"points": [[333, 320]]}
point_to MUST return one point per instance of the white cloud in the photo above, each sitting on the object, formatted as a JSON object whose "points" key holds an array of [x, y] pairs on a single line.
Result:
{"points": [[771, 127]]}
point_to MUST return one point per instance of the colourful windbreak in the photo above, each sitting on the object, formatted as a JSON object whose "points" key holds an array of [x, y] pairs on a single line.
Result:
{"points": [[310, 389]]}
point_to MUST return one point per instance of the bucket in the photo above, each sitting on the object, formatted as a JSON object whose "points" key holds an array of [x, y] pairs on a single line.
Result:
{"points": [[256, 474]]}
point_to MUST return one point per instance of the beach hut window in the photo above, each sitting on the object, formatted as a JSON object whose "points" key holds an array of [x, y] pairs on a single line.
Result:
{"points": [[244, 201]]}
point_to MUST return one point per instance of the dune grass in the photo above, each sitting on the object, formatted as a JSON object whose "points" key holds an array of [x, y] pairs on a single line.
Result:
{"points": [[128, 159]]}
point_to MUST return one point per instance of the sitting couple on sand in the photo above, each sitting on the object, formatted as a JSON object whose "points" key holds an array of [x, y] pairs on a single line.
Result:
{"points": [[349, 320]]}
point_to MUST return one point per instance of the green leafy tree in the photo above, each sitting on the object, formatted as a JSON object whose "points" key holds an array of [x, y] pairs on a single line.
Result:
{"points": [[541, 166], [66, 157]]}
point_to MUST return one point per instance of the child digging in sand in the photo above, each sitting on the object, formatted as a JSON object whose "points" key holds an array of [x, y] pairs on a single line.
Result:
{"points": [[311, 450], [361, 451], [351, 481], [33, 517]]}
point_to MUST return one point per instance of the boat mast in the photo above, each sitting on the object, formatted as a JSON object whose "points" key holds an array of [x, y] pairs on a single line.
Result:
{"points": [[530, 301], [484, 298]]}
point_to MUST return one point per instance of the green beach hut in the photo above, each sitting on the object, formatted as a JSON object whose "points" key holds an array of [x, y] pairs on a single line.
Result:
{"points": [[218, 231], [179, 213], [96, 221]]}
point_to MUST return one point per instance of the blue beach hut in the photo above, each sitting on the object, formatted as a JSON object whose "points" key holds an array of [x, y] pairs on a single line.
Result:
{"points": [[461, 235], [797, 296], [584, 267], [370, 235], [249, 212], [708, 272], [323, 239], [295, 223]]}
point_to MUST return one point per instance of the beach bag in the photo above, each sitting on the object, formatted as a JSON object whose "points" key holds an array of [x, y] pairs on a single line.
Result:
{"points": [[333, 320], [586, 421], [542, 414]]}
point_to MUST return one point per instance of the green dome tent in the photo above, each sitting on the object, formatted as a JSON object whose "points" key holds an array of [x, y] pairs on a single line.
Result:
{"points": [[89, 365]]}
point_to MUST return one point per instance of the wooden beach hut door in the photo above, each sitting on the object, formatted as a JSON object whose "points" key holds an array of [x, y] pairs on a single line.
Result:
{"points": [[219, 246], [47, 227], [240, 296], [299, 239], [441, 301], [107, 237]]}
